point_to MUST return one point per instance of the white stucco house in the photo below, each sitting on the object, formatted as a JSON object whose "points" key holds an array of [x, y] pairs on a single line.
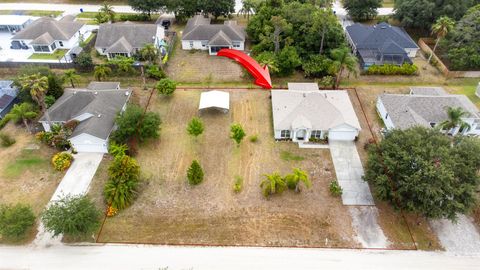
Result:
{"points": [[427, 107], [127, 38], [95, 109], [46, 35], [200, 34], [303, 113], [14, 23]]}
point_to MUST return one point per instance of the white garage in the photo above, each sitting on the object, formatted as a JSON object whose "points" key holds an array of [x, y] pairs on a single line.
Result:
{"points": [[303, 114], [88, 143]]}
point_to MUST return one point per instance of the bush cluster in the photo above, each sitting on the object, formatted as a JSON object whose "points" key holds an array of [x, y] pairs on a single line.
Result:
{"points": [[155, 72], [387, 69], [57, 137], [335, 189], [62, 161], [15, 220], [6, 140], [134, 17]]}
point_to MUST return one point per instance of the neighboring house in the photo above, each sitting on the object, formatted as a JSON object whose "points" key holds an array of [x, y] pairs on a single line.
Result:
{"points": [[46, 35], [427, 107], [103, 86], [14, 23], [199, 34], [8, 97], [477, 93], [303, 112], [127, 38], [381, 44], [95, 111]]}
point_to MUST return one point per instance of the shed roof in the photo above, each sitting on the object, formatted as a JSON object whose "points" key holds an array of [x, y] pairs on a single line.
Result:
{"points": [[214, 99]]}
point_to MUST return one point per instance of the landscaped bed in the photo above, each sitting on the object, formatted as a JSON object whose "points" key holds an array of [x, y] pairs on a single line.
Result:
{"points": [[26, 176], [169, 211], [57, 55]]}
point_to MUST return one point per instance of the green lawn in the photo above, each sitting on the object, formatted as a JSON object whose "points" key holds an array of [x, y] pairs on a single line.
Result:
{"points": [[28, 160], [49, 56], [90, 38], [388, 3], [36, 13]]}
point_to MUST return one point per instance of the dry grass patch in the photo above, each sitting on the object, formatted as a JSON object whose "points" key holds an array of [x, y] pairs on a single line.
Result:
{"points": [[169, 211], [26, 176]]}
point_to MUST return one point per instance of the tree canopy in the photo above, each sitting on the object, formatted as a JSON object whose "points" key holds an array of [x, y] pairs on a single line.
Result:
{"points": [[362, 9], [132, 123], [423, 13], [147, 7], [423, 171]]}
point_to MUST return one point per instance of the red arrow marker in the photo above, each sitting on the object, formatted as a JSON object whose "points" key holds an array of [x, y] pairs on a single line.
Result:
{"points": [[261, 74]]}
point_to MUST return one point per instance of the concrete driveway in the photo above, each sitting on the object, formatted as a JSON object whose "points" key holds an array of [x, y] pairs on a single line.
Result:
{"points": [[460, 237], [349, 170], [75, 182]]}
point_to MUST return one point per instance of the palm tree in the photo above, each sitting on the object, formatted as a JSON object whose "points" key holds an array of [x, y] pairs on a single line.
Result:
{"points": [[247, 8], [299, 176], [107, 10], [273, 183], [22, 112], [38, 87], [72, 76], [343, 59], [149, 52], [441, 28], [455, 116], [101, 72]]}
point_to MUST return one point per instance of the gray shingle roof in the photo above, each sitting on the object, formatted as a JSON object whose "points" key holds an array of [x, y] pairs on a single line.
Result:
{"points": [[125, 35], [420, 110], [220, 39], [428, 91], [375, 37], [102, 105], [103, 85], [120, 46], [58, 30], [5, 100], [319, 110], [45, 39], [199, 28]]}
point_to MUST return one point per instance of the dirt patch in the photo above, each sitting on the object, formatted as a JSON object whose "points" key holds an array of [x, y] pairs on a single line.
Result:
{"points": [[30, 183], [169, 211]]}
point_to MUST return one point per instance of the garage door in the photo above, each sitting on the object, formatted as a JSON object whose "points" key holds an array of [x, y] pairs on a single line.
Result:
{"points": [[342, 135], [91, 148]]}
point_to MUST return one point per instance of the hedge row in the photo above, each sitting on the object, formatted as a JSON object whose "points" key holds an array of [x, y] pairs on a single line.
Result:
{"points": [[387, 69]]}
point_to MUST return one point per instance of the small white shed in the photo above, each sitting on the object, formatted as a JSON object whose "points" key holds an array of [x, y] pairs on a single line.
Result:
{"points": [[215, 99]]}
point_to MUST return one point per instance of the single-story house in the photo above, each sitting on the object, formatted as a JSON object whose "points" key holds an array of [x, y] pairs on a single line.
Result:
{"points": [[45, 35], [95, 111], [199, 34], [14, 23], [303, 112], [127, 38], [8, 97], [381, 44], [427, 107]]}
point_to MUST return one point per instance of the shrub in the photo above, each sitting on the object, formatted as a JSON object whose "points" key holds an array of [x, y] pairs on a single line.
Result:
{"points": [[130, 125], [238, 185], [253, 138], [6, 140], [166, 87], [49, 100], [117, 150], [3, 122], [84, 61], [15, 220], [73, 216], [195, 173], [237, 133], [195, 127], [294, 179], [133, 17], [272, 184], [387, 69], [155, 72], [317, 66], [121, 189], [335, 188], [62, 161]]}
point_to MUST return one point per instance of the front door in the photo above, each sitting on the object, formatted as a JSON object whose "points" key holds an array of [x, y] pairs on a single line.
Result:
{"points": [[300, 135]]}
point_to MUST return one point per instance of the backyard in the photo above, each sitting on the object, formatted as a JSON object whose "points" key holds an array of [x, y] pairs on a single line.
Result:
{"points": [[57, 55], [169, 211], [26, 175]]}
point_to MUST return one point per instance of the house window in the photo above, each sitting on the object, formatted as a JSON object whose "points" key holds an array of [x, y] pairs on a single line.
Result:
{"points": [[236, 44], [60, 43], [41, 48], [204, 44], [285, 134], [432, 124], [53, 46], [316, 134], [103, 50], [191, 44]]}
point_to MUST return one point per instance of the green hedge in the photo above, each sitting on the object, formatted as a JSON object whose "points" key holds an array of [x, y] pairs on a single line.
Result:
{"points": [[387, 69]]}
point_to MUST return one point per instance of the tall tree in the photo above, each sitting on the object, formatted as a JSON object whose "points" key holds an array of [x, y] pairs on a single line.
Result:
{"points": [[22, 112], [343, 60], [133, 123], [279, 26], [217, 8], [107, 9], [101, 72], [362, 9], [422, 171], [455, 119], [148, 7], [71, 76], [248, 7], [121, 188], [38, 87], [441, 28], [149, 52]]}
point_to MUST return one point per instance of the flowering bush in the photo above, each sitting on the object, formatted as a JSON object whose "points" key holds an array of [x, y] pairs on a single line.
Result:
{"points": [[62, 161]]}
